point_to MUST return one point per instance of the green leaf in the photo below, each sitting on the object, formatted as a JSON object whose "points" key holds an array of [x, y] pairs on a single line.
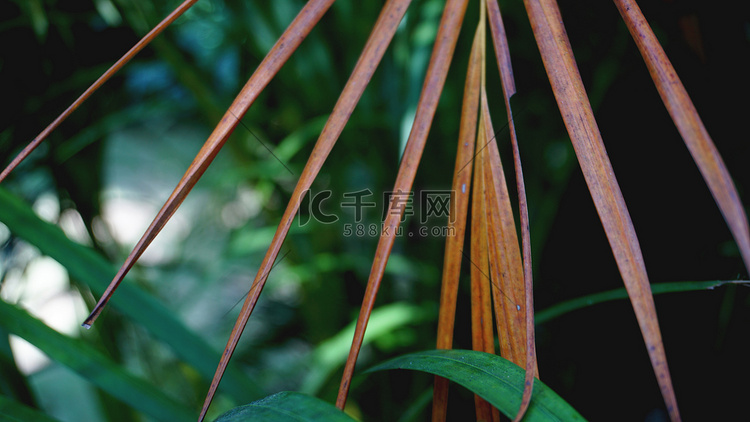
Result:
{"points": [[12, 411], [657, 288], [90, 268], [286, 406], [92, 365], [495, 379]]}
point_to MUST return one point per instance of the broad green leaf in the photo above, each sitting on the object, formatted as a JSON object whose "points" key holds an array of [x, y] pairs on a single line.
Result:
{"points": [[13, 411], [286, 406], [85, 265], [92, 365], [492, 377]]}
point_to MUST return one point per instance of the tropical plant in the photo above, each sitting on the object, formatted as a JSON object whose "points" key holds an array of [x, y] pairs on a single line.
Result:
{"points": [[119, 152]]}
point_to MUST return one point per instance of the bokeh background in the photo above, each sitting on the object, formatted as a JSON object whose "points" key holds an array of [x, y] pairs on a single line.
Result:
{"points": [[105, 172]]}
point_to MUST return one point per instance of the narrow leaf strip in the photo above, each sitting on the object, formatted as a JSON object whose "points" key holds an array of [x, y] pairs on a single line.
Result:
{"points": [[373, 52], [563, 308], [459, 199], [98, 83], [689, 124], [505, 256], [496, 379], [482, 332], [481, 294], [492, 265], [509, 88], [579, 120], [445, 44], [502, 52], [286, 406], [531, 364], [454, 241], [279, 54]]}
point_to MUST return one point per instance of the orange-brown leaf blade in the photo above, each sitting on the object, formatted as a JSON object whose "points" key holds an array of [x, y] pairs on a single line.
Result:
{"points": [[445, 44], [567, 86], [528, 284], [505, 256], [454, 241], [502, 54], [460, 199], [689, 124], [482, 333], [373, 52], [98, 83], [279, 54]]}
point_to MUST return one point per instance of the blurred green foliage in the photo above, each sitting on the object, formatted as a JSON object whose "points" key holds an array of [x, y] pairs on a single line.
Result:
{"points": [[123, 151]]}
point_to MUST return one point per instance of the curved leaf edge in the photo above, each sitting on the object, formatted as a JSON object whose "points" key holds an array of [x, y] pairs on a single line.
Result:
{"points": [[492, 377], [286, 406]]}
